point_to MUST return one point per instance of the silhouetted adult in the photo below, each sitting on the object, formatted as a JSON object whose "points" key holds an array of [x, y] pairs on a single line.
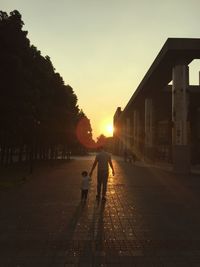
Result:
{"points": [[103, 159], [125, 155]]}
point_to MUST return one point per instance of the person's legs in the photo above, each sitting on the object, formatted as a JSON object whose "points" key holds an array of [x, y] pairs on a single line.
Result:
{"points": [[86, 193], [102, 179], [82, 194], [99, 183]]}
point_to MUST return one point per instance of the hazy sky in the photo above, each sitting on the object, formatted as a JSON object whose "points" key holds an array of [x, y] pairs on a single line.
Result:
{"points": [[103, 48]]}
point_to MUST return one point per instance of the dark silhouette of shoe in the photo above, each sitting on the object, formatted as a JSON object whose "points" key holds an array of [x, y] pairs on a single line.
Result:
{"points": [[97, 197]]}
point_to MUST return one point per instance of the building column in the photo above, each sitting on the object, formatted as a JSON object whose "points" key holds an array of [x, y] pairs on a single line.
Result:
{"points": [[149, 128], [180, 130], [199, 77], [123, 136], [136, 125], [127, 137]]}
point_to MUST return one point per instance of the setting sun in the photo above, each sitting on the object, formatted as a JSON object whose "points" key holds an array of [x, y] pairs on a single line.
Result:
{"points": [[106, 127], [109, 129]]}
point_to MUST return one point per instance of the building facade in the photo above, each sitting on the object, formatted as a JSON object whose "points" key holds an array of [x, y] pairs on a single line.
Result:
{"points": [[161, 122]]}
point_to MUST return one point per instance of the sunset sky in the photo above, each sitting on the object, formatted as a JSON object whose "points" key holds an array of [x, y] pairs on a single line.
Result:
{"points": [[103, 48]]}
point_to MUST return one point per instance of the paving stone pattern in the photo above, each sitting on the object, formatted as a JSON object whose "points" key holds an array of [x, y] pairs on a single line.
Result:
{"points": [[150, 218]]}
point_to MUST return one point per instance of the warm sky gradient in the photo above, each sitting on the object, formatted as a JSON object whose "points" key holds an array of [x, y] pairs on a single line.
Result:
{"points": [[103, 48]]}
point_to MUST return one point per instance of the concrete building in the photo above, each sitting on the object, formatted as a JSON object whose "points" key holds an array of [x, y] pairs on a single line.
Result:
{"points": [[161, 122]]}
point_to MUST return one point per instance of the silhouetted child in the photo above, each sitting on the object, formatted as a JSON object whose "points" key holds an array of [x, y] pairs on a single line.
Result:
{"points": [[85, 184]]}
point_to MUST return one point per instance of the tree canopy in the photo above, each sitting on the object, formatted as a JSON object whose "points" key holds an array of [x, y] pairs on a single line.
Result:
{"points": [[38, 112]]}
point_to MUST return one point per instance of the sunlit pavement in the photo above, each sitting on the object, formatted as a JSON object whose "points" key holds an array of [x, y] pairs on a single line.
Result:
{"points": [[150, 218]]}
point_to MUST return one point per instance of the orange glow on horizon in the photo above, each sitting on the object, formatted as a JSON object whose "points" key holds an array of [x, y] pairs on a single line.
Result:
{"points": [[107, 128]]}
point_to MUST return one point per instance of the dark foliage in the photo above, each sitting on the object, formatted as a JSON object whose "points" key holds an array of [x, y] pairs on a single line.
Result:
{"points": [[38, 112]]}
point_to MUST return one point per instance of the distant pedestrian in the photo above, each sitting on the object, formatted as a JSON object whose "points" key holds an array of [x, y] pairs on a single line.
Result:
{"points": [[131, 157], [125, 155], [103, 159], [85, 184]]}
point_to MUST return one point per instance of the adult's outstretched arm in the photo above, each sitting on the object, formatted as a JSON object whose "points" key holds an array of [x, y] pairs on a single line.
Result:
{"points": [[93, 166], [111, 165]]}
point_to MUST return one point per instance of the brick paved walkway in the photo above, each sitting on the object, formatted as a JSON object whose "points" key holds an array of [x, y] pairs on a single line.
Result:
{"points": [[150, 218]]}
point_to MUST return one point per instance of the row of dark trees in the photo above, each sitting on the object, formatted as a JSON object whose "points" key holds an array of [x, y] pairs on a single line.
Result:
{"points": [[38, 112]]}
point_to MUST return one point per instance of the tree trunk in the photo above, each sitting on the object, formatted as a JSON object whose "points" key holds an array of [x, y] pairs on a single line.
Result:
{"points": [[3, 147], [20, 153], [11, 155]]}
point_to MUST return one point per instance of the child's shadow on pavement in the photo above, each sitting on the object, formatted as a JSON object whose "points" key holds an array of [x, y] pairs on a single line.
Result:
{"points": [[81, 208]]}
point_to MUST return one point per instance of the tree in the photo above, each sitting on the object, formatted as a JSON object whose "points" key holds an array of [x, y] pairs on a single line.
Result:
{"points": [[38, 112], [84, 132]]}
